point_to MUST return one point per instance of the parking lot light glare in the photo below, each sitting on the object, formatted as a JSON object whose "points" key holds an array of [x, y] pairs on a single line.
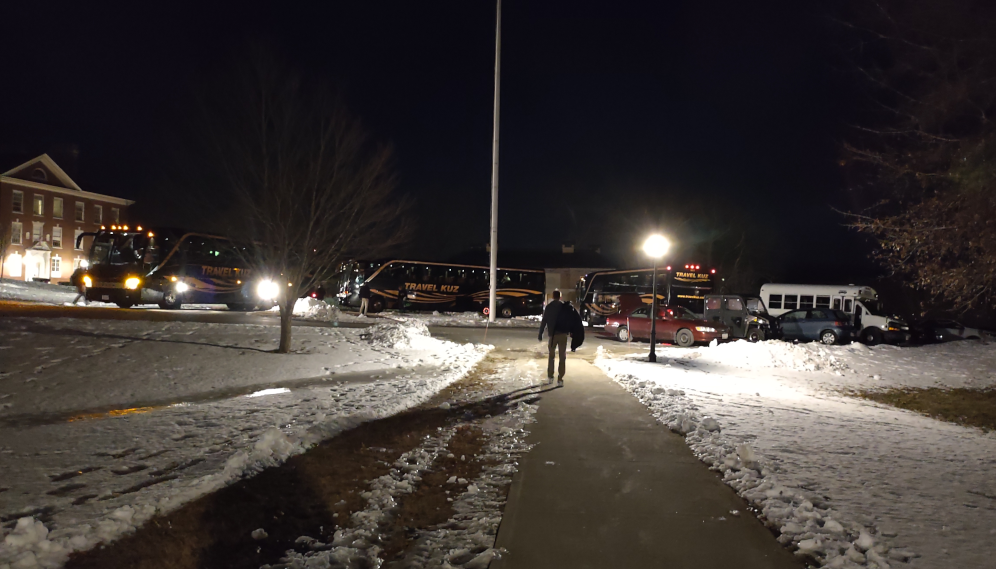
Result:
{"points": [[656, 246]]}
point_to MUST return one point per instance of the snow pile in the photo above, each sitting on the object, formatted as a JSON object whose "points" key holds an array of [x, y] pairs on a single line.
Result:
{"points": [[400, 334], [846, 482], [473, 320], [313, 309], [742, 354]]}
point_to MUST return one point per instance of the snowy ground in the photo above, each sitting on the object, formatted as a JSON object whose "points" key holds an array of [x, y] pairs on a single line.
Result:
{"points": [[69, 484], [39, 292], [850, 482], [467, 539]]}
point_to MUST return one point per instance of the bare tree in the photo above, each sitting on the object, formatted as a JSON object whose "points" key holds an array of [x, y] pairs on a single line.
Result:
{"points": [[308, 189], [922, 151]]}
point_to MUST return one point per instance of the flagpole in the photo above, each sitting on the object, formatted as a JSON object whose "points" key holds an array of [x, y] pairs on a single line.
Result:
{"points": [[493, 295]]}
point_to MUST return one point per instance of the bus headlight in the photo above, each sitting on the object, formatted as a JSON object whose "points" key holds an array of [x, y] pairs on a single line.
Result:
{"points": [[84, 263], [131, 283], [267, 290], [181, 287], [87, 281]]}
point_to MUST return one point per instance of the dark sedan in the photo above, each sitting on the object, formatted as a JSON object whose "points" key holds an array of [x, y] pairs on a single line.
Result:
{"points": [[932, 331], [816, 324]]}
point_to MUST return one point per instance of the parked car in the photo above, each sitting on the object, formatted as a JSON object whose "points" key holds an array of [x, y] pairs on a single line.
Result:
{"points": [[744, 314], [822, 325], [675, 324], [932, 331]]}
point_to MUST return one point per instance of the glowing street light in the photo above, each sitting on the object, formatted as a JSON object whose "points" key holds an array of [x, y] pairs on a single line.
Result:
{"points": [[655, 247]]}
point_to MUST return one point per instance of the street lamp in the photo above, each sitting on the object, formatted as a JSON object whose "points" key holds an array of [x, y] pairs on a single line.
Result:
{"points": [[655, 247]]}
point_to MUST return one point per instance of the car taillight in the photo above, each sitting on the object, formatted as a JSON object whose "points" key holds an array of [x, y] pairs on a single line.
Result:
{"points": [[838, 323]]}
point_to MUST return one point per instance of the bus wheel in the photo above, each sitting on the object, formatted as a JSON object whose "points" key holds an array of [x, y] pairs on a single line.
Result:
{"points": [[623, 334], [506, 312], [376, 305], [170, 301], [755, 335], [684, 338], [871, 336]]}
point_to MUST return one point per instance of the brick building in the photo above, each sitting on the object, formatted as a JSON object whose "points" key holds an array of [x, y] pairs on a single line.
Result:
{"points": [[42, 211]]}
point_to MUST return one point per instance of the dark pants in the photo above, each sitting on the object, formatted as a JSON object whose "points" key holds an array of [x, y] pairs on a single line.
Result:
{"points": [[558, 342]]}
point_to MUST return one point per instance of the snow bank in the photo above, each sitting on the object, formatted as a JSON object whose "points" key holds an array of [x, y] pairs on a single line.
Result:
{"points": [[400, 334], [742, 354], [313, 309]]}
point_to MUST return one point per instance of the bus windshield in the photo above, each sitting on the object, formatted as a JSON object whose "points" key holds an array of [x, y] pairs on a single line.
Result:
{"points": [[118, 249], [873, 306]]}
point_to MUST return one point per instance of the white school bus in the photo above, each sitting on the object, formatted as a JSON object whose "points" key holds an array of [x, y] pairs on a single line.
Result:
{"points": [[860, 302]]}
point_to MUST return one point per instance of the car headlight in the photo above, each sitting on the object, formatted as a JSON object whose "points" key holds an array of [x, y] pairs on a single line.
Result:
{"points": [[705, 329], [87, 281], [181, 287], [131, 283], [267, 290]]}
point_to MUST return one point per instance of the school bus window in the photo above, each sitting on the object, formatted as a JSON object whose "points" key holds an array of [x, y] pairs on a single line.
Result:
{"points": [[791, 302], [822, 302], [806, 301], [775, 301]]}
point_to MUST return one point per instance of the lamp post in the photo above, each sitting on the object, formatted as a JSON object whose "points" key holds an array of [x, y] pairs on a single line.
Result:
{"points": [[655, 247]]}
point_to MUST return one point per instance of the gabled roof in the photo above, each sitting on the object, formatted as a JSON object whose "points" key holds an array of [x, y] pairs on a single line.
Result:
{"points": [[49, 164]]}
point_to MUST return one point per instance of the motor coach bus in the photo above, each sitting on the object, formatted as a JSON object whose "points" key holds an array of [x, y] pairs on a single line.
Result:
{"points": [[442, 286], [170, 267], [603, 293]]}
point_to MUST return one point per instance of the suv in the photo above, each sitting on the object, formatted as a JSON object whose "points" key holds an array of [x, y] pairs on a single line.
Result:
{"points": [[746, 315]]}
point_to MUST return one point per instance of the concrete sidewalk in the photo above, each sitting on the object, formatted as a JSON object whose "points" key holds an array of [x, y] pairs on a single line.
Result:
{"points": [[606, 486]]}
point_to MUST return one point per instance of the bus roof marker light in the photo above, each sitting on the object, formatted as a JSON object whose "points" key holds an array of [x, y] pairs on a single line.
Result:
{"points": [[713, 271]]}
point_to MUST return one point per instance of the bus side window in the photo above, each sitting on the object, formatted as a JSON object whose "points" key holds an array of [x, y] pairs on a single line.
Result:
{"points": [[848, 307], [806, 301], [822, 302], [791, 302], [775, 301]]}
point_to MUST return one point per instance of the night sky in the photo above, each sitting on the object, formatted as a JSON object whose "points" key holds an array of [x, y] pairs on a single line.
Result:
{"points": [[608, 111]]}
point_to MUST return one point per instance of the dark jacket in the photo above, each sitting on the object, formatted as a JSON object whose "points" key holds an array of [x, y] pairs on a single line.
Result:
{"points": [[76, 279], [364, 291], [550, 317], [577, 329]]}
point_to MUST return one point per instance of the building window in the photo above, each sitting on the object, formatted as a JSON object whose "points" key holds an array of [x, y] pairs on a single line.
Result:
{"points": [[80, 207], [98, 216], [13, 265], [116, 215], [77, 244], [37, 227], [56, 266], [39, 174], [18, 202], [16, 233], [77, 262], [57, 238], [39, 205], [57, 208]]}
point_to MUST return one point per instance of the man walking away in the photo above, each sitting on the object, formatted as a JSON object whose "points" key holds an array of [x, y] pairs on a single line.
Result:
{"points": [[556, 321], [77, 280], [364, 298]]}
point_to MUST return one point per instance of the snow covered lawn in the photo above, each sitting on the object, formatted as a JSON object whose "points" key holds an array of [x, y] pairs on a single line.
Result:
{"points": [[850, 482], [68, 485]]}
